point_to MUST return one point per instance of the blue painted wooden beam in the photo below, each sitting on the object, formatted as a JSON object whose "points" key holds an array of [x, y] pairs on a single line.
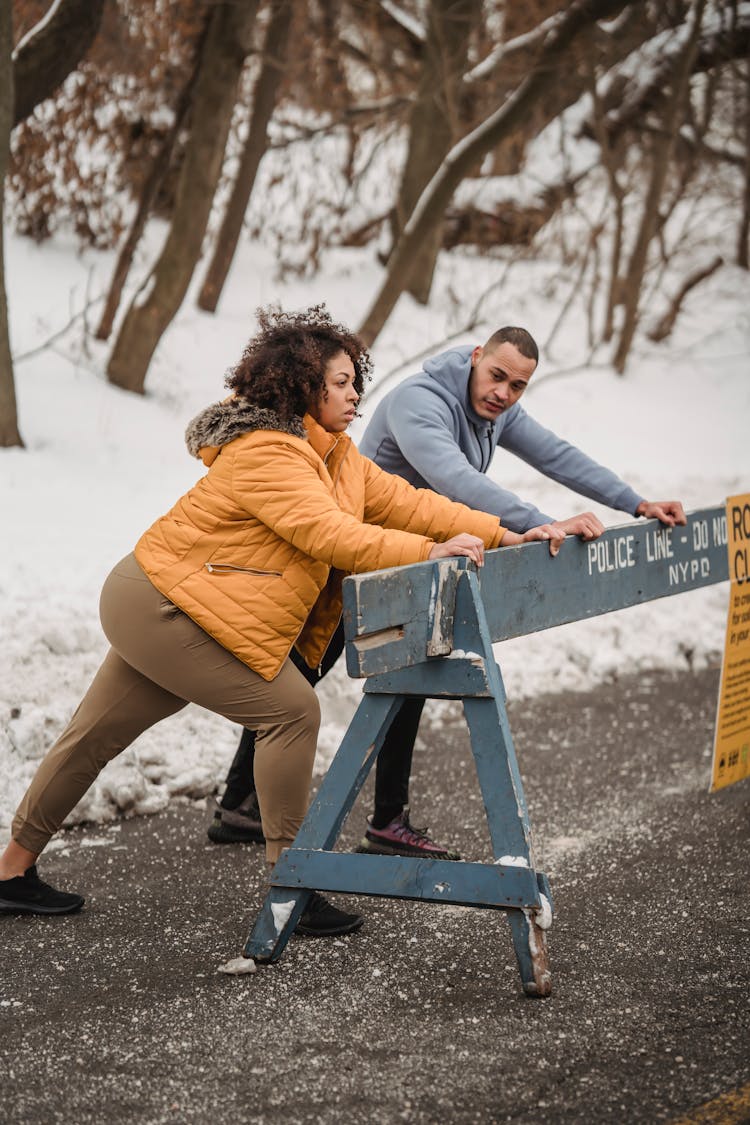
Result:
{"points": [[453, 678], [392, 617], [430, 880]]}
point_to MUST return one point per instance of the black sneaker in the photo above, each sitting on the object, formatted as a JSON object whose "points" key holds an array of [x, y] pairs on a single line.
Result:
{"points": [[322, 919], [27, 894], [237, 826]]}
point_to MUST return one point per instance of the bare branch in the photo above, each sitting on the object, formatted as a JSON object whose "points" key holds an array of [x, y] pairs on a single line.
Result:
{"points": [[528, 42], [503, 53], [381, 108], [665, 324], [406, 22], [46, 345], [627, 107]]}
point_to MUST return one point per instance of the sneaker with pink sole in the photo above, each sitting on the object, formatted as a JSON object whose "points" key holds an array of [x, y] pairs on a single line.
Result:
{"points": [[401, 838]]}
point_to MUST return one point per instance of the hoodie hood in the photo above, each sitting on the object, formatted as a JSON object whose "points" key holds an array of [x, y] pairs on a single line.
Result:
{"points": [[223, 422]]}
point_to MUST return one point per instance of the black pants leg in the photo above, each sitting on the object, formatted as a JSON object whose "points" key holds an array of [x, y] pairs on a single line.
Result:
{"points": [[240, 781], [393, 768]]}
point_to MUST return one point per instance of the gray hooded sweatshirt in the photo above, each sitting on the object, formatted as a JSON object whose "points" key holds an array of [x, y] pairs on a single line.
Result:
{"points": [[426, 431]]}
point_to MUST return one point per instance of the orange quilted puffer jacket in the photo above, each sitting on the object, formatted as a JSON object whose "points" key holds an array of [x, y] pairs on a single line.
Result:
{"points": [[255, 553]]}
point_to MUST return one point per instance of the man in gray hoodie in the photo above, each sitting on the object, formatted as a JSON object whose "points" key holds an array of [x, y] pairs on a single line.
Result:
{"points": [[439, 429]]}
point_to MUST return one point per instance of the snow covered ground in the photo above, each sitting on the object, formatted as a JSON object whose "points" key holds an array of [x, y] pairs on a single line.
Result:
{"points": [[100, 465]]}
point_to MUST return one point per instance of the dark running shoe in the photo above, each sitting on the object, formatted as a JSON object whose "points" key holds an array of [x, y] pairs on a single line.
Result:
{"points": [[401, 838], [322, 919], [237, 826], [27, 894]]}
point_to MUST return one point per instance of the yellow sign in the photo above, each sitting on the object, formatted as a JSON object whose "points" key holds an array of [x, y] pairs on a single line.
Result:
{"points": [[732, 738]]}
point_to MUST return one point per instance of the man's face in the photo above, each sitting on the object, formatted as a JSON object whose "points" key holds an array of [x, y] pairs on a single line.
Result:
{"points": [[498, 379]]}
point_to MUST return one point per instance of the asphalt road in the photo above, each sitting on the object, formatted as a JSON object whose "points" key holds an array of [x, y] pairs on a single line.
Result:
{"points": [[119, 1015]]}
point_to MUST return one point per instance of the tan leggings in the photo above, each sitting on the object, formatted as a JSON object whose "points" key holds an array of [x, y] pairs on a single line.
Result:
{"points": [[159, 661]]}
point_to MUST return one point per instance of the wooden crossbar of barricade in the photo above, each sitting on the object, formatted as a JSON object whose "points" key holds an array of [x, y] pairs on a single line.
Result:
{"points": [[428, 630]]}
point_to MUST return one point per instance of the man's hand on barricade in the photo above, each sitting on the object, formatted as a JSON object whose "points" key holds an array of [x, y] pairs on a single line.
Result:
{"points": [[669, 512], [546, 531], [586, 525]]}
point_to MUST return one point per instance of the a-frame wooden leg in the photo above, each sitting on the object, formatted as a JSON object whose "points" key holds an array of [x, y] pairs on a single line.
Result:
{"points": [[346, 775], [505, 805], [530, 944], [508, 822]]}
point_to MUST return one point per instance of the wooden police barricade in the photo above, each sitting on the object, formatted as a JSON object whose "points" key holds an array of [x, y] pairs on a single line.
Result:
{"points": [[428, 630]]}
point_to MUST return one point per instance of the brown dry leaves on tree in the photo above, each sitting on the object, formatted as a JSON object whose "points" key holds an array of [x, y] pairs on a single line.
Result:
{"points": [[73, 156]]}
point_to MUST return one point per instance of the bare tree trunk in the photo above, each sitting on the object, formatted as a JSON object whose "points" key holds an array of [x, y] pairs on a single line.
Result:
{"points": [[149, 193], [222, 59], [611, 158], [614, 287], [9, 434], [434, 123], [434, 199], [631, 289], [264, 100], [54, 47], [743, 235]]}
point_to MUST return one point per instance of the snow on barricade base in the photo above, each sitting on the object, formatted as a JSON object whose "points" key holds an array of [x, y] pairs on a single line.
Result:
{"points": [[238, 967], [281, 913], [543, 917]]}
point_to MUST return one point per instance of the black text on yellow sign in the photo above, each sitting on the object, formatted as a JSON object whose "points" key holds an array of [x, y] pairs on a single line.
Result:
{"points": [[732, 738]]}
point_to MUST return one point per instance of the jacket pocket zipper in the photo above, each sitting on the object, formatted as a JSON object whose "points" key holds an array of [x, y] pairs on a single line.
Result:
{"points": [[228, 568]]}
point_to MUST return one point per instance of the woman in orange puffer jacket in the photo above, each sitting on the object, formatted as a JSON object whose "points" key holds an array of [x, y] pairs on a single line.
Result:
{"points": [[246, 564]]}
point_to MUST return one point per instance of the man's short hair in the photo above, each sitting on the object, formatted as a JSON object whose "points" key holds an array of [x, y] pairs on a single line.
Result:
{"points": [[518, 337]]}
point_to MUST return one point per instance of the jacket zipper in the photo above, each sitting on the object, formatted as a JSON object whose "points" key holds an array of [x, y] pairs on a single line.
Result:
{"points": [[223, 568], [330, 451], [335, 480]]}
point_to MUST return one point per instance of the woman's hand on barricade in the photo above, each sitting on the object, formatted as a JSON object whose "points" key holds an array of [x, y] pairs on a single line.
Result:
{"points": [[464, 544], [546, 531]]}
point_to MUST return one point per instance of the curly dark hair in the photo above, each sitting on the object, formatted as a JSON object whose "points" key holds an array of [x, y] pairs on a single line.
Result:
{"points": [[283, 366]]}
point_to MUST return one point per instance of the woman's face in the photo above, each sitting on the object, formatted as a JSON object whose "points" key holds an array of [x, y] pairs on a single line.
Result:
{"points": [[337, 405]]}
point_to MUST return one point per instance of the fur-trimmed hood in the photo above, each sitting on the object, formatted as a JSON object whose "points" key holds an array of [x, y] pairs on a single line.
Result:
{"points": [[222, 422]]}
